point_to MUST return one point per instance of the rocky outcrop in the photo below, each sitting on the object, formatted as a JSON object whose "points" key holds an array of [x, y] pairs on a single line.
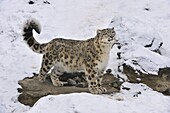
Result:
{"points": [[32, 90], [160, 82], [139, 55]]}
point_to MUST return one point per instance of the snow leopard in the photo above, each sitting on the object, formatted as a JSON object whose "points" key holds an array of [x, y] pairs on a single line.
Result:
{"points": [[61, 55]]}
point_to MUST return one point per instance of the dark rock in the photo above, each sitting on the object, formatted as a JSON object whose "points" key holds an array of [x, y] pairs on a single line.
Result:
{"points": [[164, 73], [27, 99], [119, 55], [147, 9], [46, 2], [76, 76], [126, 88], [32, 90], [20, 90], [108, 71], [71, 82], [31, 2], [139, 93], [160, 82], [167, 92], [157, 50], [78, 79], [110, 81], [119, 46]]}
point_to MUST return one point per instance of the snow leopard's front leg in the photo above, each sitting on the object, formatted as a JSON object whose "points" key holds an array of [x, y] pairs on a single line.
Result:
{"points": [[94, 81]]}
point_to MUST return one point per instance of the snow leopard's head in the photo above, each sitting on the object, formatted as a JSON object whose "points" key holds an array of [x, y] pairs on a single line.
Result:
{"points": [[107, 36]]}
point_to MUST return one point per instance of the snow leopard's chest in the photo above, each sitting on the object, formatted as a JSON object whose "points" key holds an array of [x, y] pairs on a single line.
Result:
{"points": [[102, 62]]}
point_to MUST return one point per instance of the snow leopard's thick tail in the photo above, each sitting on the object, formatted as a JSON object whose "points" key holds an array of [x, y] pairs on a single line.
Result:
{"points": [[28, 27]]}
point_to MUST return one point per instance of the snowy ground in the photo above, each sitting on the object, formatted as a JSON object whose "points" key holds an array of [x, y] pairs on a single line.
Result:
{"points": [[133, 101], [76, 19]]}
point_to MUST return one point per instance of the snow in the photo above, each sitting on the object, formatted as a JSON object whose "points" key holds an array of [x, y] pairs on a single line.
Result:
{"points": [[144, 60], [132, 30], [139, 40], [133, 101], [79, 19]]}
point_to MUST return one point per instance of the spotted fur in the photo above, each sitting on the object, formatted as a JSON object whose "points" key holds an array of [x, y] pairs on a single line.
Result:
{"points": [[64, 55]]}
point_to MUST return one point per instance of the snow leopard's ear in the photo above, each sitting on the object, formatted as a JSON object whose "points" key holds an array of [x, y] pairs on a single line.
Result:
{"points": [[112, 28], [99, 31]]}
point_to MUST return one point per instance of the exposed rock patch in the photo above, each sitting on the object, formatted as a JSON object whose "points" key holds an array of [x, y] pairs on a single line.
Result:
{"points": [[160, 82], [32, 90]]}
